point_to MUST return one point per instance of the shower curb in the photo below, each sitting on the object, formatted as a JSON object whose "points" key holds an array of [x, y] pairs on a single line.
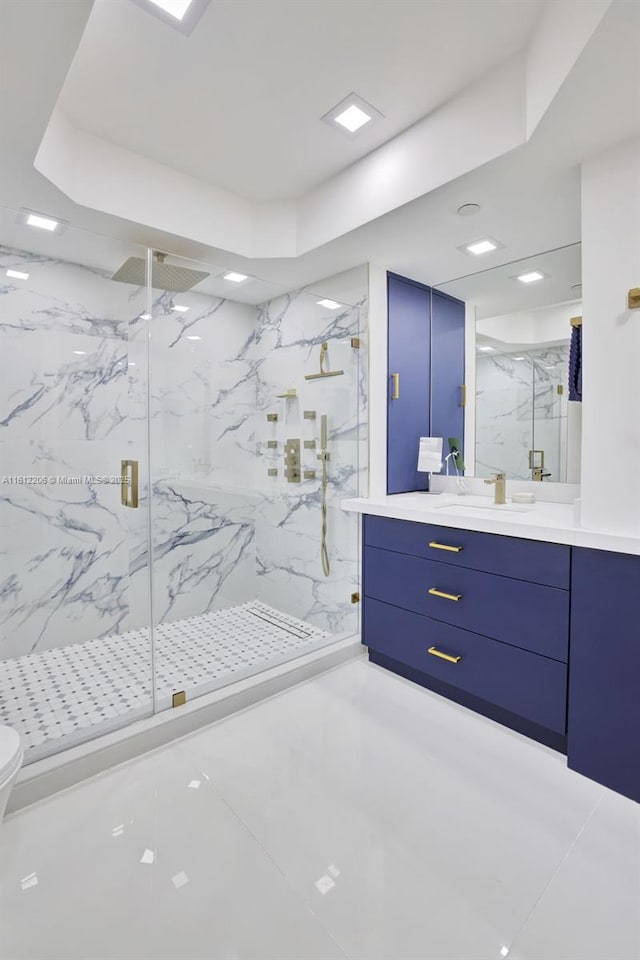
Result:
{"points": [[51, 775]]}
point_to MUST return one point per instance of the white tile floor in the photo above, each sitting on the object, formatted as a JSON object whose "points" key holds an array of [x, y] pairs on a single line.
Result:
{"points": [[354, 816], [60, 697]]}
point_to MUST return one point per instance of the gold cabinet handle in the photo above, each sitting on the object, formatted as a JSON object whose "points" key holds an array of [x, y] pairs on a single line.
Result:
{"points": [[129, 483], [395, 395], [463, 394], [443, 656], [444, 546], [445, 596]]}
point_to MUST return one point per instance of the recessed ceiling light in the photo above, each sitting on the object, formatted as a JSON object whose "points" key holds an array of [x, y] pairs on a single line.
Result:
{"points": [[482, 246], [531, 277], [179, 308], [34, 218], [145, 316], [45, 223], [80, 353], [329, 304], [353, 118], [235, 277], [487, 349], [194, 337], [518, 358], [182, 15], [175, 8], [17, 275], [352, 114], [468, 209]]}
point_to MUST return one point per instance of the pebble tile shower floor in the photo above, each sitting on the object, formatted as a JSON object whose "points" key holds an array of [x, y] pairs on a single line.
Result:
{"points": [[66, 695]]}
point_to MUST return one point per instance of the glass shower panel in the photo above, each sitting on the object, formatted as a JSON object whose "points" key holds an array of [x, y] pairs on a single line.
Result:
{"points": [[75, 652], [236, 512]]}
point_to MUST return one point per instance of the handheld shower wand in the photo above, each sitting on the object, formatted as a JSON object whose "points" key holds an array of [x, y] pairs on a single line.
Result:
{"points": [[324, 457]]}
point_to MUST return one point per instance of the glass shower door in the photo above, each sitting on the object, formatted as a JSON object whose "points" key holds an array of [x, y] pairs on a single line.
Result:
{"points": [[75, 651], [236, 428]]}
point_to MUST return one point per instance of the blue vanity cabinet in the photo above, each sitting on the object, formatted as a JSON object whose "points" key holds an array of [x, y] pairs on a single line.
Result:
{"points": [[447, 368], [408, 404], [604, 685], [479, 618]]}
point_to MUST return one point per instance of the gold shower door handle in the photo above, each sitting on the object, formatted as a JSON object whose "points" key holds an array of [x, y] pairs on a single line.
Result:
{"points": [[395, 393], [129, 483]]}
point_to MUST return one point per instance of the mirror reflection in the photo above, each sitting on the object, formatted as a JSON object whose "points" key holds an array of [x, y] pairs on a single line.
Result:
{"points": [[524, 383]]}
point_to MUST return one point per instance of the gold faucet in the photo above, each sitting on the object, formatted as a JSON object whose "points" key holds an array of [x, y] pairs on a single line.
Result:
{"points": [[500, 481]]}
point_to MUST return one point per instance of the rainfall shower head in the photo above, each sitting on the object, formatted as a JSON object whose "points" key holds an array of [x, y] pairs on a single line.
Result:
{"points": [[164, 276]]}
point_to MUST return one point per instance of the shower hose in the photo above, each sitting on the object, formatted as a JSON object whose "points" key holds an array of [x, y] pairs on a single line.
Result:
{"points": [[324, 551]]}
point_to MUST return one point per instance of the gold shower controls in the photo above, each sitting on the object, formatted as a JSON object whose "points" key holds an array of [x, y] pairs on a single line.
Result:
{"points": [[292, 461]]}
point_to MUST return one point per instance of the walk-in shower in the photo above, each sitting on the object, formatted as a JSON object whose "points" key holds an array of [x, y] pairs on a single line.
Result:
{"points": [[205, 566]]}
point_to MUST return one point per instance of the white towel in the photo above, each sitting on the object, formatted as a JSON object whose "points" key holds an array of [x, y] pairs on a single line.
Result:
{"points": [[430, 455]]}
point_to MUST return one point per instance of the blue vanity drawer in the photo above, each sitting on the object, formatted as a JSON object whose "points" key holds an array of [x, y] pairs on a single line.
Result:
{"points": [[527, 685], [547, 563], [525, 615]]}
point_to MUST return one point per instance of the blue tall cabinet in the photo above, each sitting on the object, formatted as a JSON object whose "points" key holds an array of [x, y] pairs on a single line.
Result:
{"points": [[409, 401], [447, 367], [425, 376]]}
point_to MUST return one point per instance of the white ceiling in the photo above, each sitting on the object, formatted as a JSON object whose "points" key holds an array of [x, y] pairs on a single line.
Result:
{"points": [[530, 197], [238, 103]]}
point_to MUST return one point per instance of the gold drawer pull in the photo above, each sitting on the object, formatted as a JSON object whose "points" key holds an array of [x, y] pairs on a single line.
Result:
{"points": [[443, 656], [444, 546], [445, 596], [396, 386]]}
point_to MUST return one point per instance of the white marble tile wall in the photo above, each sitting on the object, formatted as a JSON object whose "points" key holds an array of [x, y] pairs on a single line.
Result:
{"points": [[519, 409], [290, 332], [73, 400], [64, 546]]}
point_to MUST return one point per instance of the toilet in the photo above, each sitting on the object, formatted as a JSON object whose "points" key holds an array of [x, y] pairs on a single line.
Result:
{"points": [[11, 756]]}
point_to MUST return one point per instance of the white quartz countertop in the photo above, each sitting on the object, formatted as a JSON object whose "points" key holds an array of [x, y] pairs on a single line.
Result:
{"points": [[550, 522]]}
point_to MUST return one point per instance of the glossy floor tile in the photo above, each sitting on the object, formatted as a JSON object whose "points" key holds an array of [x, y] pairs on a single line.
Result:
{"points": [[356, 815]]}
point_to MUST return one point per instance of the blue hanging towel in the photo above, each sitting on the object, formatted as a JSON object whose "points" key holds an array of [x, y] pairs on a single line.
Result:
{"points": [[575, 364]]}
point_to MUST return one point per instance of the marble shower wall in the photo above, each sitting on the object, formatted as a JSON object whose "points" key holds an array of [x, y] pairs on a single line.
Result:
{"points": [[64, 425], [74, 402], [519, 409], [290, 332], [202, 407]]}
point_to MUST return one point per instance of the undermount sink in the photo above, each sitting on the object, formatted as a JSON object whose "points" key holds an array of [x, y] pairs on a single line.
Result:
{"points": [[475, 508]]}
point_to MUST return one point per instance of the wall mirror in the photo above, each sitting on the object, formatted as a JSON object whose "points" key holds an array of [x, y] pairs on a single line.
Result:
{"points": [[523, 367]]}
